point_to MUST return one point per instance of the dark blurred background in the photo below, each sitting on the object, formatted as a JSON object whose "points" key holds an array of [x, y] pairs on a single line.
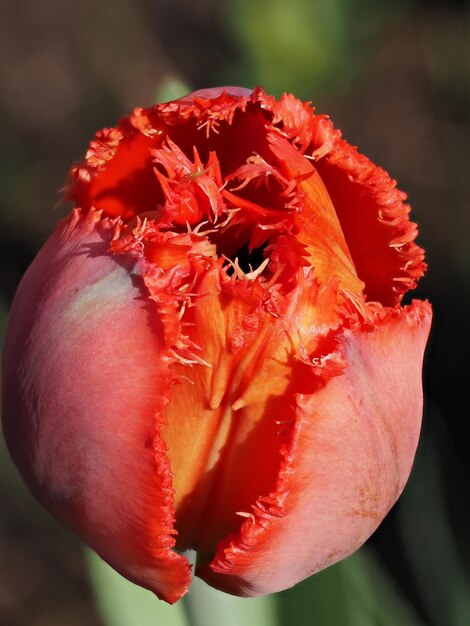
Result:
{"points": [[394, 75]]}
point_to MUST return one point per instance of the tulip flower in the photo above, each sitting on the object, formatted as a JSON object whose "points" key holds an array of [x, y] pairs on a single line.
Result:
{"points": [[211, 353]]}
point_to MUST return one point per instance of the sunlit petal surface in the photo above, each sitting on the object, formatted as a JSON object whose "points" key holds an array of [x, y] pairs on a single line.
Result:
{"points": [[210, 353]]}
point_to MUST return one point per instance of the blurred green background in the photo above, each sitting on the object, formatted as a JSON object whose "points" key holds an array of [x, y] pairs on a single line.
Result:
{"points": [[394, 75]]}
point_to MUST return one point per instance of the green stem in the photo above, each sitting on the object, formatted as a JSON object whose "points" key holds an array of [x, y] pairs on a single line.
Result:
{"points": [[208, 607]]}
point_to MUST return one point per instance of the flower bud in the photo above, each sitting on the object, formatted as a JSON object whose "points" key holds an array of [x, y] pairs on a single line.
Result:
{"points": [[210, 352]]}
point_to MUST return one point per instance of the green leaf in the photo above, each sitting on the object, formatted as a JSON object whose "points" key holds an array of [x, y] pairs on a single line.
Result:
{"points": [[428, 536], [304, 46], [121, 603], [355, 592]]}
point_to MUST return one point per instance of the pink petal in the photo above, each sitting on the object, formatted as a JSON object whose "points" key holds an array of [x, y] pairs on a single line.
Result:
{"points": [[351, 453], [84, 390]]}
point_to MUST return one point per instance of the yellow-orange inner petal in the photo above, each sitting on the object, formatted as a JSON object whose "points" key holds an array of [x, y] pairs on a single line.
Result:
{"points": [[229, 418], [247, 264]]}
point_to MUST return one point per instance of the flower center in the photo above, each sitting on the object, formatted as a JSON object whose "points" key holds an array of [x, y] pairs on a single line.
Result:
{"points": [[249, 261]]}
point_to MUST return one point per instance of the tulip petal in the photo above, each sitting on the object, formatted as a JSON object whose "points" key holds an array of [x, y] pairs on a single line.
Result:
{"points": [[367, 201], [348, 460], [85, 388], [117, 175], [365, 198], [318, 224]]}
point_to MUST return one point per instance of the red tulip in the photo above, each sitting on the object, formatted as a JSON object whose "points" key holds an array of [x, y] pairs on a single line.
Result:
{"points": [[210, 352]]}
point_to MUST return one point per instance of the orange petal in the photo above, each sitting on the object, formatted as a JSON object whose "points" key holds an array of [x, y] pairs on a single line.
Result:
{"points": [[373, 216], [228, 420], [349, 458], [85, 388], [318, 224], [117, 176]]}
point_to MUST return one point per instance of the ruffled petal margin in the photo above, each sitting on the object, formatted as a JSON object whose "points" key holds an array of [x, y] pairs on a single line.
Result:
{"points": [[117, 176], [351, 452], [85, 388], [373, 215]]}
